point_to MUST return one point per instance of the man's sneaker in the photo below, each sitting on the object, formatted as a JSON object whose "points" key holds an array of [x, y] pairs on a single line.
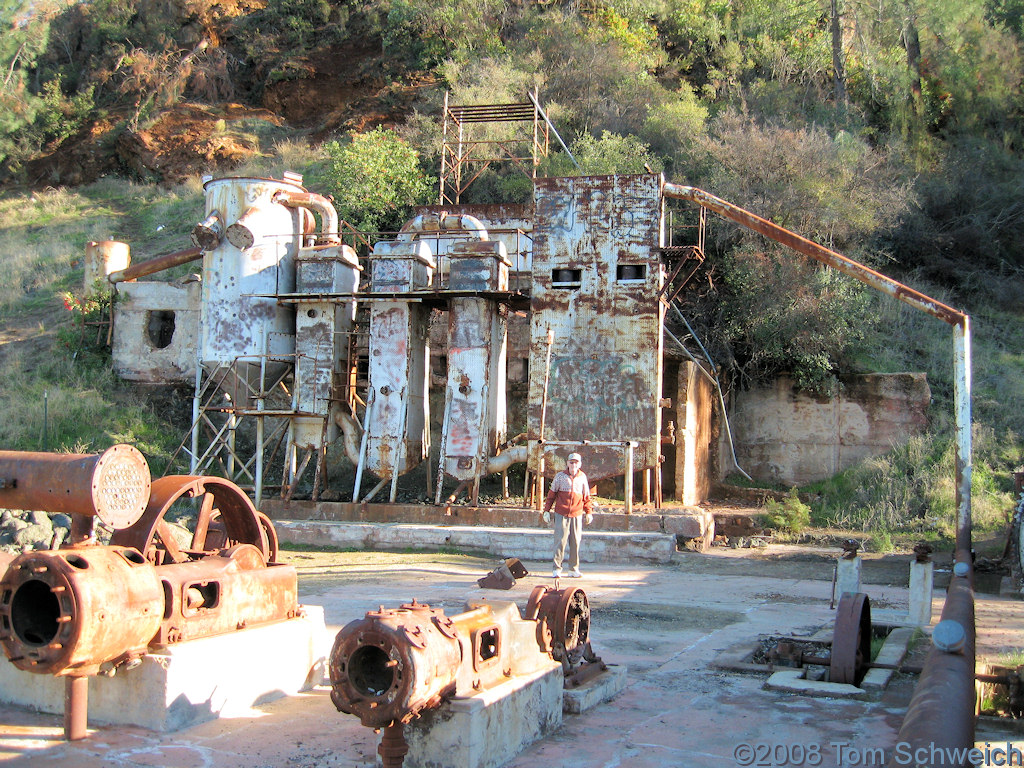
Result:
{"points": [[575, 574], [556, 573]]}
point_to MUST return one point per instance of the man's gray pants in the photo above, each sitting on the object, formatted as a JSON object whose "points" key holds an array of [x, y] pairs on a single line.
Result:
{"points": [[567, 529]]}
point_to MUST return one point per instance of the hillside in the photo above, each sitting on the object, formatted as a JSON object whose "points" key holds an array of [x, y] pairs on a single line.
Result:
{"points": [[894, 136]]}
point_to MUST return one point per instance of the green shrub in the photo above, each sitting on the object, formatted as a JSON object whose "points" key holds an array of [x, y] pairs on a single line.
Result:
{"points": [[790, 514]]}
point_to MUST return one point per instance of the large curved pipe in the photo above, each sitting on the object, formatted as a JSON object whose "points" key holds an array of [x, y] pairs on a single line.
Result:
{"points": [[351, 434], [314, 202], [439, 222], [506, 459]]}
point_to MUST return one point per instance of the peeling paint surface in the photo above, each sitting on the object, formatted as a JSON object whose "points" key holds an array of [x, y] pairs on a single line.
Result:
{"points": [[596, 277]]}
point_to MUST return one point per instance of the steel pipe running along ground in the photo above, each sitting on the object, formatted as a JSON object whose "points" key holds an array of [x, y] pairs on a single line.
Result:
{"points": [[938, 729], [952, 680]]}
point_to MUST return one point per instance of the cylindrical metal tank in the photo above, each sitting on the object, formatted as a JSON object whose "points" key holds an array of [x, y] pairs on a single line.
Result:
{"points": [[113, 486], [241, 320]]}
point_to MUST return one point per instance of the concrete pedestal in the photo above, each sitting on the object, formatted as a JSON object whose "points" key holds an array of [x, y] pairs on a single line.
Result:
{"points": [[847, 576], [921, 582], [490, 728], [187, 683]]}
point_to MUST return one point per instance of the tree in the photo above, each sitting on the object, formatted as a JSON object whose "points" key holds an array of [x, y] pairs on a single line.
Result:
{"points": [[375, 179]]}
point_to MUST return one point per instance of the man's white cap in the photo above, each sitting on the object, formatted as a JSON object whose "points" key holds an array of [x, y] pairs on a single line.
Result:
{"points": [[575, 457]]}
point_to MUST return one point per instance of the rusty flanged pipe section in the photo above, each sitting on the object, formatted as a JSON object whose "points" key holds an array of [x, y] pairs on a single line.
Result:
{"points": [[393, 663], [562, 616], [68, 612], [113, 486]]}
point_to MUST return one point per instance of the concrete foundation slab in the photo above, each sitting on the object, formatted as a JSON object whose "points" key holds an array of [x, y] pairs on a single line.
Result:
{"points": [[490, 728], [187, 683], [593, 692], [524, 543], [791, 680]]}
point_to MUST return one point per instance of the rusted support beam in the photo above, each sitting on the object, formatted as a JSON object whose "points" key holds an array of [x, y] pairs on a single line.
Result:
{"points": [[820, 253], [158, 264], [941, 712]]}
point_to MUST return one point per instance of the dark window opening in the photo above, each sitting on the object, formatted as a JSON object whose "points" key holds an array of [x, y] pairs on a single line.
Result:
{"points": [[566, 278], [631, 272], [160, 327]]}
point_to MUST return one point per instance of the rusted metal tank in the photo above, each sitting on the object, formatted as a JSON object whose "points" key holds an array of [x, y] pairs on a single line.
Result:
{"points": [[475, 408], [323, 331], [397, 436], [113, 486], [241, 319], [596, 335]]}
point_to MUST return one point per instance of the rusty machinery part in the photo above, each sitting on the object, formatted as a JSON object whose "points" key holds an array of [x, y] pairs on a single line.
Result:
{"points": [[581, 666], [68, 612], [562, 616], [226, 517], [393, 663], [851, 640], [505, 575], [1016, 541], [113, 486], [224, 592]]}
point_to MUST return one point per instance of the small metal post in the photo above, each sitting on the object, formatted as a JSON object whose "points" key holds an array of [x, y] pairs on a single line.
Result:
{"points": [[398, 462], [629, 477], [76, 707], [371, 399]]}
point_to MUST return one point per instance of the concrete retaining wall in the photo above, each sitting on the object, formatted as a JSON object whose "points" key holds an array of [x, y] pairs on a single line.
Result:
{"points": [[789, 437]]}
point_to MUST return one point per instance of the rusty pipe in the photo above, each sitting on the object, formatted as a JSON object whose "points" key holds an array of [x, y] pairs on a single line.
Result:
{"points": [[351, 435], [941, 712], [156, 264], [820, 253], [76, 707], [113, 486], [208, 233], [314, 202], [433, 223], [515, 455]]}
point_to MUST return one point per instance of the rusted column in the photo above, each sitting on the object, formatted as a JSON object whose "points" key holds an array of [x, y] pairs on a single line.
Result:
{"points": [[393, 747], [76, 707]]}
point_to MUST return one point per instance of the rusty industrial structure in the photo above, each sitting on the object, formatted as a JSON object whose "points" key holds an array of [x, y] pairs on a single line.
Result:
{"points": [[88, 609], [311, 340]]}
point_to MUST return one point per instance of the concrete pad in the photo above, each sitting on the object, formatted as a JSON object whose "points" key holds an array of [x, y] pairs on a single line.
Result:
{"points": [[892, 652], [524, 543], [600, 689], [193, 681], [791, 680], [490, 728]]}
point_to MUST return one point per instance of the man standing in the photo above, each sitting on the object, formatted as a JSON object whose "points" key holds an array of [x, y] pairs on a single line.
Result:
{"points": [[570, 496]]}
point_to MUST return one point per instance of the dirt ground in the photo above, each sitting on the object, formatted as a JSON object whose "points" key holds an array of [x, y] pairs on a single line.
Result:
{"points": [[666, 623]]}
